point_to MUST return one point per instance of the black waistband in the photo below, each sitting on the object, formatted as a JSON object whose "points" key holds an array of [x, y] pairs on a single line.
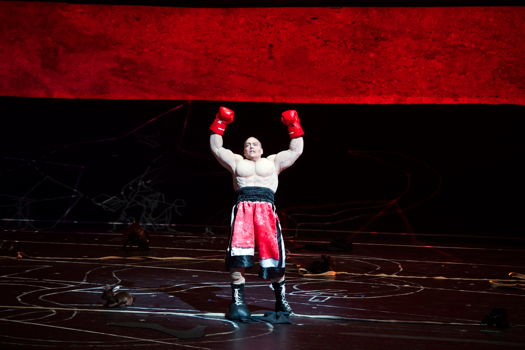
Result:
{"points": [[255, 194]]}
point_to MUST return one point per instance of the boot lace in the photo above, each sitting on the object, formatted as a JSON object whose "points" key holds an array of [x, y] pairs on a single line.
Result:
{"points": [[237, 297]]}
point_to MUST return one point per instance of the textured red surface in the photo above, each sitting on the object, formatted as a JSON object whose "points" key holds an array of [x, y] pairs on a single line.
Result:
{"points": [[319, 55]]}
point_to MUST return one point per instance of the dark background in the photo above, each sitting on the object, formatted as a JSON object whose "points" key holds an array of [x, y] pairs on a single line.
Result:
{"points": [[448, 169]]}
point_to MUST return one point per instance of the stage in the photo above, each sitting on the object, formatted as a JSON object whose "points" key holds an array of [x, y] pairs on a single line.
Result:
{"points": [[411, 179], [390, 290]]}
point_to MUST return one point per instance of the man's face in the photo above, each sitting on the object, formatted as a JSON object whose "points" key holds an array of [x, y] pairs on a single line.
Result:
{"points": [[252, 149]]}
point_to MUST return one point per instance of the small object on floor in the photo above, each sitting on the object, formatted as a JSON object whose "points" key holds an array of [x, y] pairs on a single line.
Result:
{"points": [[136, 236], [517, 282], [327, 263], [507, 284], [517, 275], [497, 318], [305, 273], [115, 298], [323, 268], [195, 332]]}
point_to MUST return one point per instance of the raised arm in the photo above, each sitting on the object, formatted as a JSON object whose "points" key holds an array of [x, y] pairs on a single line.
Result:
{"points": [[286, 158], [225, 157]]}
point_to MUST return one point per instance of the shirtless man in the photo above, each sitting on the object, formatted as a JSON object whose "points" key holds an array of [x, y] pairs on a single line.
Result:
{"points": [[254, 217]]}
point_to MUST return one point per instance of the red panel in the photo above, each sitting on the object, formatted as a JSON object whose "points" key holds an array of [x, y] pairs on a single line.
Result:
{"points": [[320, 55]]}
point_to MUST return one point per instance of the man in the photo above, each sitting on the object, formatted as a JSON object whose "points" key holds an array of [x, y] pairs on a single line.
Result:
{"points": [[254, 218]]}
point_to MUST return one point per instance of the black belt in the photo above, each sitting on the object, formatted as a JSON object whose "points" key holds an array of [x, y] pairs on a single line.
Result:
{"points": [[255, 194]]}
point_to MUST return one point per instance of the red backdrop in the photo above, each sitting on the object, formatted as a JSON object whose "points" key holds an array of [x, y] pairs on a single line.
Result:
{"points": [[321, 55]]}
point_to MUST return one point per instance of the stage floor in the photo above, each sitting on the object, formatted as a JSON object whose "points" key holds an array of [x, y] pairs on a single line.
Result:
{"points": [[391, 291]]}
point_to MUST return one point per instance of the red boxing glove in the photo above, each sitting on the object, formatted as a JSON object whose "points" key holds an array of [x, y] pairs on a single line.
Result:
{"points": [[222, 119], [291, 120]]}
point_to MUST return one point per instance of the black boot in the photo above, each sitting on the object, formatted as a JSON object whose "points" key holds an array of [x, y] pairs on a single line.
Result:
{"points": [[238, 309], [281, 305]]}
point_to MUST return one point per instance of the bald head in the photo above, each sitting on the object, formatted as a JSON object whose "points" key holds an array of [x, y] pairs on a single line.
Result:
{"points": [[252, 149]]}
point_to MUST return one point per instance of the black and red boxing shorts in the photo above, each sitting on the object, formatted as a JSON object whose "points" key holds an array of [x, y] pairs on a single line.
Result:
{"points": [[255, 226]]}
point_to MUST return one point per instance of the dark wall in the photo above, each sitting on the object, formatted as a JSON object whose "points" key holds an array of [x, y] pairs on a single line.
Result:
{"points": [[397, 168]]}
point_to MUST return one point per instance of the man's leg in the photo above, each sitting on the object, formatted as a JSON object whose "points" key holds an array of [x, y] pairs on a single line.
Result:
{"points": [[238, 309], [237, 275], [281, 304], [271, 250]]}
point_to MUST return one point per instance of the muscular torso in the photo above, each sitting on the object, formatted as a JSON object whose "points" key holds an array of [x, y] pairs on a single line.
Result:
{"points": [[252, 170], [262, 173]]}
